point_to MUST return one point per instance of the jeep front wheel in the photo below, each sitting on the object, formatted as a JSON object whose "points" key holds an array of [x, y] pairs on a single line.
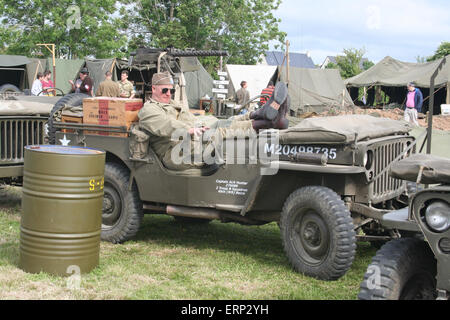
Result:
{"points": [[403, 269], [122, 209], [317, 233]]}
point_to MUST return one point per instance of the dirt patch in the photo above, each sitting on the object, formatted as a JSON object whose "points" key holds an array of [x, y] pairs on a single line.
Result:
{"points": [[440, 122]]}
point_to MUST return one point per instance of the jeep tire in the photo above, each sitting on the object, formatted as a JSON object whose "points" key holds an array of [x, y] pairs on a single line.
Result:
{"points": [[403, 269], [318, 233], [122, 209]]}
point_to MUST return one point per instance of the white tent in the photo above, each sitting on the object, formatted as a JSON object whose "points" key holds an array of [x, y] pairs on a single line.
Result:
{"points": [[257, 77]]}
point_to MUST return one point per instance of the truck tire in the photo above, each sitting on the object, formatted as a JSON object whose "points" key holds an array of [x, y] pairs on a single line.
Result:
{"points": [[122, 208], [317, 232], [403, 269], [9, 88], [72, 99]]}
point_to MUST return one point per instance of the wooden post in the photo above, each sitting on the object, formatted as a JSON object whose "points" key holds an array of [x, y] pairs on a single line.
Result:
{"points": [[447, 100], [287, 62]]}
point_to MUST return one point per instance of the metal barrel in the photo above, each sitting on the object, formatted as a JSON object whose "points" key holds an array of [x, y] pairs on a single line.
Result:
{"points": [[61, 209]]}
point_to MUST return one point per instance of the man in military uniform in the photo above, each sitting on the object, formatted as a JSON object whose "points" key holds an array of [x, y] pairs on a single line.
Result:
{"points": [[108, 88], [126, 87], [162, 117]]}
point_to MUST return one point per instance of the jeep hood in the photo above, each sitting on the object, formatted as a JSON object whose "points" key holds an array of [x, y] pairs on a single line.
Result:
{"points": [[342, 129]]}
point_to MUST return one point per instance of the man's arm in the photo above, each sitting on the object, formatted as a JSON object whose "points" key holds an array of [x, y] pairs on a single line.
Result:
{"points": [[158, 123], [420, 101]]}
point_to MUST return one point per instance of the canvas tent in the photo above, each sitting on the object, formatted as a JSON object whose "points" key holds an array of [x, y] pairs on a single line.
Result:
{"points": [[393, 75], [12, 71], [199, 83], [315, 89], [257, 78]]}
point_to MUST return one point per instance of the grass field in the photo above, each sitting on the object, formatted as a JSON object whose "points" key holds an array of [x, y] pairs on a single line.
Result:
{"points": [[170, 260]]}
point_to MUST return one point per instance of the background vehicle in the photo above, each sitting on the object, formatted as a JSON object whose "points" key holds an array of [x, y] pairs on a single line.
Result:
{"points": [[416, 267]]}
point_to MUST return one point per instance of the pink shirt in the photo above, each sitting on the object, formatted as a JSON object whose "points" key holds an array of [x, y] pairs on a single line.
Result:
{"points": [[410, 99]]}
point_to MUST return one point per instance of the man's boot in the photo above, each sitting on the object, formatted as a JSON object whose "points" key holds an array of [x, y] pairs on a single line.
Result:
{"points": [[269, 111]]}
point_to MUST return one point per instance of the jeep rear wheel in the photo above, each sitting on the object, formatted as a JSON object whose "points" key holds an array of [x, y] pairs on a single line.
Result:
{"points": [[403, 269], [122, 209], [317, 233]]}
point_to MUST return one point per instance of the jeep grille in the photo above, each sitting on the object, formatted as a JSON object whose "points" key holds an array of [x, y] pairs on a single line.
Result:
{"points": [[384, 187], [15, 134]]}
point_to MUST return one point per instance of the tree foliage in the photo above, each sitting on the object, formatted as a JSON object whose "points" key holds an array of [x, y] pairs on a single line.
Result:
{"points": [[442, 51], [242, 27], [77, 28]]}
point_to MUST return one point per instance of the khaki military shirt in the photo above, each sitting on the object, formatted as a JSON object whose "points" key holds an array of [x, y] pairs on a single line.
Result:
{"points": [[242, 96], [108, 88], [162, 120], [126, 88]]}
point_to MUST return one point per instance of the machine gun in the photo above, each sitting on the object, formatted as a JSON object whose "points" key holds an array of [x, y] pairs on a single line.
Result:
{"points": [[169, 57], [175, 61]]}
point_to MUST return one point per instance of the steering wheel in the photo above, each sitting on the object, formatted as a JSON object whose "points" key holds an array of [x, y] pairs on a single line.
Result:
{"points": [[46, 90]]}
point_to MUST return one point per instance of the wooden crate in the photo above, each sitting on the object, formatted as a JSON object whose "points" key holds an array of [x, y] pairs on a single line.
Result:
{"points": [[70, 119]]}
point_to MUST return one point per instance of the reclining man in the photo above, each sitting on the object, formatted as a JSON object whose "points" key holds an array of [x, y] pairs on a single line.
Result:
{"points": [[162, 117]]}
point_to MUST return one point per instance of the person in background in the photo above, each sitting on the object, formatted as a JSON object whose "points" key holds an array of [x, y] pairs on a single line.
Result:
{"points": [[266, 94], [108, 88], [126, 87], [36, 88], [414, 102], [242, 95], [47, 84]]}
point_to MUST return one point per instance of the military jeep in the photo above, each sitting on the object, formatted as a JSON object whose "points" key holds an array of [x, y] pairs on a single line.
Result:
{"points": [[416, 267], [22, 122], [329, 188]]}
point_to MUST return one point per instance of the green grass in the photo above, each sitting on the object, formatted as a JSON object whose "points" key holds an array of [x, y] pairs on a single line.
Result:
{"points": [[170, 260]]}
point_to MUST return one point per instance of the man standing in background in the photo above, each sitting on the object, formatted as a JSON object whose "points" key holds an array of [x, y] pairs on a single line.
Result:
{"points": [[242, 95], [108, 88], [126, 87], [414, 102]]}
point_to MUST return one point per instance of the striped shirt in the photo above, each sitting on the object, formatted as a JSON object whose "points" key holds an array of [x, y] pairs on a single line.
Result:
{"points": [[267, 91]]}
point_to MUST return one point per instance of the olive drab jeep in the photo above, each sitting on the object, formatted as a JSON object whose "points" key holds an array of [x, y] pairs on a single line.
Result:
{"points": [[416, 267], [327, 187], [22, 122]]}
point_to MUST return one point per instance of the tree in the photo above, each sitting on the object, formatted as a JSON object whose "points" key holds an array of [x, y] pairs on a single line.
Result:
{"points": [[367, 65], [442, 51], [242, 27], [349, 63], [77, 28]]}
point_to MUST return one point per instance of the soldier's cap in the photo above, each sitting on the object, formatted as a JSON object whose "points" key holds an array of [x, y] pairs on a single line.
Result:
{"points": [[84, 70], [162, 78]]}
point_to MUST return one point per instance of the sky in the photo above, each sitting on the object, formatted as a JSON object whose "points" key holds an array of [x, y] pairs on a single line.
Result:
{"points": [[402, 29]]}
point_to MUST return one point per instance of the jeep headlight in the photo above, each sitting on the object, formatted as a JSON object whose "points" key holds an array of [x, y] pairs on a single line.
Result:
{"points": [[437, 216]]}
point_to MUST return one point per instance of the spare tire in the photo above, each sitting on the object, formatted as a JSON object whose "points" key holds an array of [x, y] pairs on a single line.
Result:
{"points": [[72, 99], [9, 88]]}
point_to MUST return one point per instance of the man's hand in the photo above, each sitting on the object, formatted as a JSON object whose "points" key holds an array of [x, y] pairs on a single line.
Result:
{"points": [[197, 131]]}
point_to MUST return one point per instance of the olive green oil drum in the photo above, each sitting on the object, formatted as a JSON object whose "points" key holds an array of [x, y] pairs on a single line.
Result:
{"points": [[61, 209]]}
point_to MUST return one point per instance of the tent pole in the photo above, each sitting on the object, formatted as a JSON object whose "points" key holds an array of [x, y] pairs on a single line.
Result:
{"points": [[431, 104], [287, 62], [448, 93]]}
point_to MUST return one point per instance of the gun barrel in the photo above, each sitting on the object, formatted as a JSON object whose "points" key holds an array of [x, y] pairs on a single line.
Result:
{"points": [[181, 53]]}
